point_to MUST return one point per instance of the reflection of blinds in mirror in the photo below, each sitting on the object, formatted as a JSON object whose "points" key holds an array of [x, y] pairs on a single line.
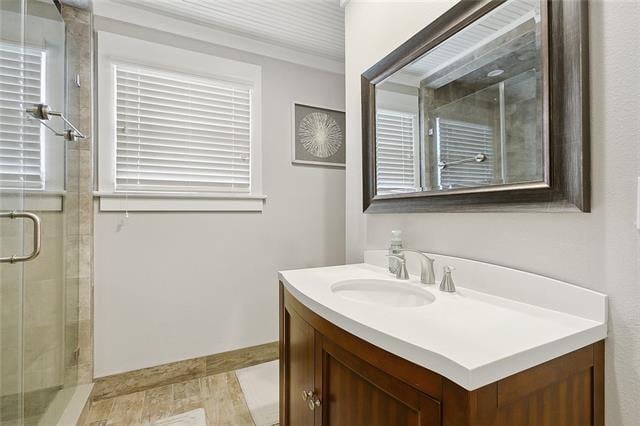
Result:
{"points": [[396, 169], [20, 144], [460, 140]]}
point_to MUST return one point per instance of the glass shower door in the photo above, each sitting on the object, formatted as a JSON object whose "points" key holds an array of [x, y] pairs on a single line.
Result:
{"points": [[38, 298], [11, 288], [12, 124]]}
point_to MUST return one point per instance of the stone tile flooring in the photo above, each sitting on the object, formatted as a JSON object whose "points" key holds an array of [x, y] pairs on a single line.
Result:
{"points": [[220, 395]]}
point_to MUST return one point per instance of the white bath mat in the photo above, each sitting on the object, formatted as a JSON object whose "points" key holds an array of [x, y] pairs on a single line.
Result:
{"points": [[195, 417], [260, 385]]}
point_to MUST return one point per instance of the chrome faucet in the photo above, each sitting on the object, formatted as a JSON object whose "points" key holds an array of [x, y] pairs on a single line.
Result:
{"points": [[401, 269], [427, 274], [447, 284]]}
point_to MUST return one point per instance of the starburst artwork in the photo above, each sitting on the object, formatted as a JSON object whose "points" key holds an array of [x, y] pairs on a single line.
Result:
{"points": [[318, 136]]}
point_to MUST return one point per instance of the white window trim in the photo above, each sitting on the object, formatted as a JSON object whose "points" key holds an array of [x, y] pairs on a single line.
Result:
{"points": [[115, 49], [111, 202]]}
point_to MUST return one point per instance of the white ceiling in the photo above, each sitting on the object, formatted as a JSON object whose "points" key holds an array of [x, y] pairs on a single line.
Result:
{"points": [[496, 22], [310, 26]]}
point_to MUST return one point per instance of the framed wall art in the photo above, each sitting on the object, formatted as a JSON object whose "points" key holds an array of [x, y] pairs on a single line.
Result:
{"points": [[318, 136]]}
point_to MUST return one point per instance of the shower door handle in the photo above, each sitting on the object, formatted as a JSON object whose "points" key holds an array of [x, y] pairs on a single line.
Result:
{"points": [[37, 236]]}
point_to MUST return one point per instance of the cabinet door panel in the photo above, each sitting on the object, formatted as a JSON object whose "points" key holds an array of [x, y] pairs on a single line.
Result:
{"points": [[298, 369], [355, 393]]}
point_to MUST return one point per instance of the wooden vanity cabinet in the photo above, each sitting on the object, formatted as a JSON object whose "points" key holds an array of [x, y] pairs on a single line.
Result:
{"points": [[300, 368], [329, 377], [356, 393]]}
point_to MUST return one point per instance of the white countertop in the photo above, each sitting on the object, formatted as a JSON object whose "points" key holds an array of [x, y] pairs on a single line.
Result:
{"points": [[471, 337]]}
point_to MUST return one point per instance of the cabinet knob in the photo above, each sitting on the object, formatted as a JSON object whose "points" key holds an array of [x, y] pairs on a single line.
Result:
{"points": [[313, 401]]}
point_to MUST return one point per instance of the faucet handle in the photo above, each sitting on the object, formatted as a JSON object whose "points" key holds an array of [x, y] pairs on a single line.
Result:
{"points": [[447, 285], [401, 271], [427, 274]]}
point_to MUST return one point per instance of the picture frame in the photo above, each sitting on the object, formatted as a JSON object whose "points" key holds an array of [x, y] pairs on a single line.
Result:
{"points": [[318, 135]]}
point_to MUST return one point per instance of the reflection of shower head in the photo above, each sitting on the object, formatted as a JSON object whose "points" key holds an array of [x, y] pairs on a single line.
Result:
{"points": [[495, 73]]}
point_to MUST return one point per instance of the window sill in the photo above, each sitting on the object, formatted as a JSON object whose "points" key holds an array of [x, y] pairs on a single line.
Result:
{"points": [[150, 202], [34, 201]]}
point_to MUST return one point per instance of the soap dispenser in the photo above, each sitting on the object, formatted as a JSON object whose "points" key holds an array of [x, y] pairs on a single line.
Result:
{"points": [[395, 249]]}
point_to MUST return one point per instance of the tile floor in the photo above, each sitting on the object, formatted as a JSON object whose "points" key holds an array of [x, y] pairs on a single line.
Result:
{"points": [[220, 395]]}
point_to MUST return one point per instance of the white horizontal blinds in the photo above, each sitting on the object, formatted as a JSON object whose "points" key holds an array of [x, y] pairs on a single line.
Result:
{"points": [[180, 133], [396, 169], [21, 162], [460, 140]]}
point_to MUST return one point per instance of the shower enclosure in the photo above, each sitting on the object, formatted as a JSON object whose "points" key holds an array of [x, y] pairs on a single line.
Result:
{"points": [[39, 219]]}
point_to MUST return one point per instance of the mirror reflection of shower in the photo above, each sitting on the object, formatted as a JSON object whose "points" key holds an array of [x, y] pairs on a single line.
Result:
{"points": [[468, 113]]}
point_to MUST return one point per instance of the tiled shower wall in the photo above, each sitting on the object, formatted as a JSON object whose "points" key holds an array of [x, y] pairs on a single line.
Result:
{"points": [[79, 240]]}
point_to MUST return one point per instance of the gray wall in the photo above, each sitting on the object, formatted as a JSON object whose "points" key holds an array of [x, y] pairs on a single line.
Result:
{"points": [[192, 284], [600, 250]]}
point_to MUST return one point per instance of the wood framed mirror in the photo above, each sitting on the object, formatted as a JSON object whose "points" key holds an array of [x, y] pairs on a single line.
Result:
{"points": [[484, 109]]}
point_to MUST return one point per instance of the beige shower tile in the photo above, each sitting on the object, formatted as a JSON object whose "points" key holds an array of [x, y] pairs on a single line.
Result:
{"points": [[85, 219], [10, 408], [71, 344], [86, 179], [70, 376], [85, 256], [84, 299], [71, 294], [85, 342], [43, 301], [85, 373], [77, 18], [73, 173], [72, 251], [78, 202]]}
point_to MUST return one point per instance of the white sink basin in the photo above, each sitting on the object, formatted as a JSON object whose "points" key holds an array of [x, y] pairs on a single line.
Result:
{"points": [[383, 292]]}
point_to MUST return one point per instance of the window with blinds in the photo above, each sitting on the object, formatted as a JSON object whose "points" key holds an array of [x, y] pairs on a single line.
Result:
{"points": [[458, 141], [396, 166], [180, 133], [21, 153]]}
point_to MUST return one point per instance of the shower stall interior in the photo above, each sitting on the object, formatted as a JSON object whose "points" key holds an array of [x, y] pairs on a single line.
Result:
{"points": [[39, 218]]}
